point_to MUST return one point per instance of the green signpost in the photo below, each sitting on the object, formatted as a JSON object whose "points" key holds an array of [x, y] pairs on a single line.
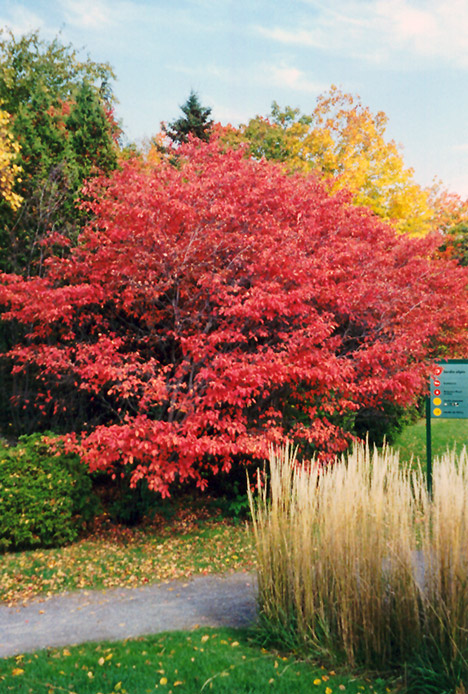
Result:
{"points": [[448, 399]]}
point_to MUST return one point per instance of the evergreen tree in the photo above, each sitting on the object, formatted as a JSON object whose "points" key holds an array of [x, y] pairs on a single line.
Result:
{"points": [[88, 126], [195, 121]]}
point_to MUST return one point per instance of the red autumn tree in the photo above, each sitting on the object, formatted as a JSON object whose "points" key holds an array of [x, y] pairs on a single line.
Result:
{"points": [[219, 305]]}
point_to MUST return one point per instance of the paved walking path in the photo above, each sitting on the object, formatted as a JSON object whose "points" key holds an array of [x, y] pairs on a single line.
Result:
{"points": [[119, 613]]}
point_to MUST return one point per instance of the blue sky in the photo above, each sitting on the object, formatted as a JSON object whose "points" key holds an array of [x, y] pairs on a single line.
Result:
{"points": [[408, 58]]}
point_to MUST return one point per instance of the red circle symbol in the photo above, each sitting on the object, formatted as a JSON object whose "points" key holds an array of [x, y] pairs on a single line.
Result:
{"points": [[437, 392], [438, 370], [436, 382]]}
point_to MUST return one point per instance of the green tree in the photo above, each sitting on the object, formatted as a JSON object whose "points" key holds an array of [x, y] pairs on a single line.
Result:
{"points": [[456, 244], [195, 121], [88, 126], [61, 117]]}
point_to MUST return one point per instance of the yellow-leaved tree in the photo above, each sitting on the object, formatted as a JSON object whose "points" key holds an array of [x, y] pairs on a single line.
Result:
{"points": [[9, 171], [343, 141]]}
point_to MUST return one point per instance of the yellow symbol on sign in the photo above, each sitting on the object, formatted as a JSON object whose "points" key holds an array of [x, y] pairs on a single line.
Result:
{"points": [[437, 401], [437, 412]]}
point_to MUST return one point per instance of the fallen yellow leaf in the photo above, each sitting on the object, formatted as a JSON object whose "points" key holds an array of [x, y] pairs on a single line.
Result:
{"points": [[17, 671], [163, 680]]}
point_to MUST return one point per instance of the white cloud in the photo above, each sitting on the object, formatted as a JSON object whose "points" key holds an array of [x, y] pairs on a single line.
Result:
{"points": [[89, 14], [436, 28], [287, 76], [283, 75], [226, 113], [382, 30], [302, 37], [21, 21], [261, 75]]}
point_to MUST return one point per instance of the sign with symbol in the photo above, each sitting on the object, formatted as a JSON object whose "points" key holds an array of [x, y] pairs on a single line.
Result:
{"points": [[449, 390]]}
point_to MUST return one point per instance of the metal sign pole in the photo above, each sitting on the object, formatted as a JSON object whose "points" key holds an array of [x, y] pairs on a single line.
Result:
{"points": [[428, 445]]}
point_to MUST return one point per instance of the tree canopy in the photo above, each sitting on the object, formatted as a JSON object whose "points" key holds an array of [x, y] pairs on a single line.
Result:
{"points": [[60, 115], [342, 141], [216, 306]]}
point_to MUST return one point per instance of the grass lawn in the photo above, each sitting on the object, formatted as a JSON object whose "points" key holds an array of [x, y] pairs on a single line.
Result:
{"points": [[203, 660], [446, 434]]}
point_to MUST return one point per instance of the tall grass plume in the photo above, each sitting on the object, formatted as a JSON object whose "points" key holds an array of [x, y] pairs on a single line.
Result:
{"points": [[358, 563]]}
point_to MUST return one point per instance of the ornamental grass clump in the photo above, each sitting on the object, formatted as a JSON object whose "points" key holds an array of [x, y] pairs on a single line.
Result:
{"points": [[357, 563]]}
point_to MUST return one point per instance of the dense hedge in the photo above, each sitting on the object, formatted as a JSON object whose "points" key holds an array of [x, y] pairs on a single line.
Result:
{"points": [[45, 496]]}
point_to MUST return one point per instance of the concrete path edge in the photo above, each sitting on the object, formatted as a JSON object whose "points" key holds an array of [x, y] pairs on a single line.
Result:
{"points": [[71, 618]]}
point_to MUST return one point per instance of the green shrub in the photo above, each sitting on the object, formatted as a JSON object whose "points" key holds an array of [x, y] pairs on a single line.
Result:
{"points": [[131, 506], [45, 496], [230, 497], [378, 425]]}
